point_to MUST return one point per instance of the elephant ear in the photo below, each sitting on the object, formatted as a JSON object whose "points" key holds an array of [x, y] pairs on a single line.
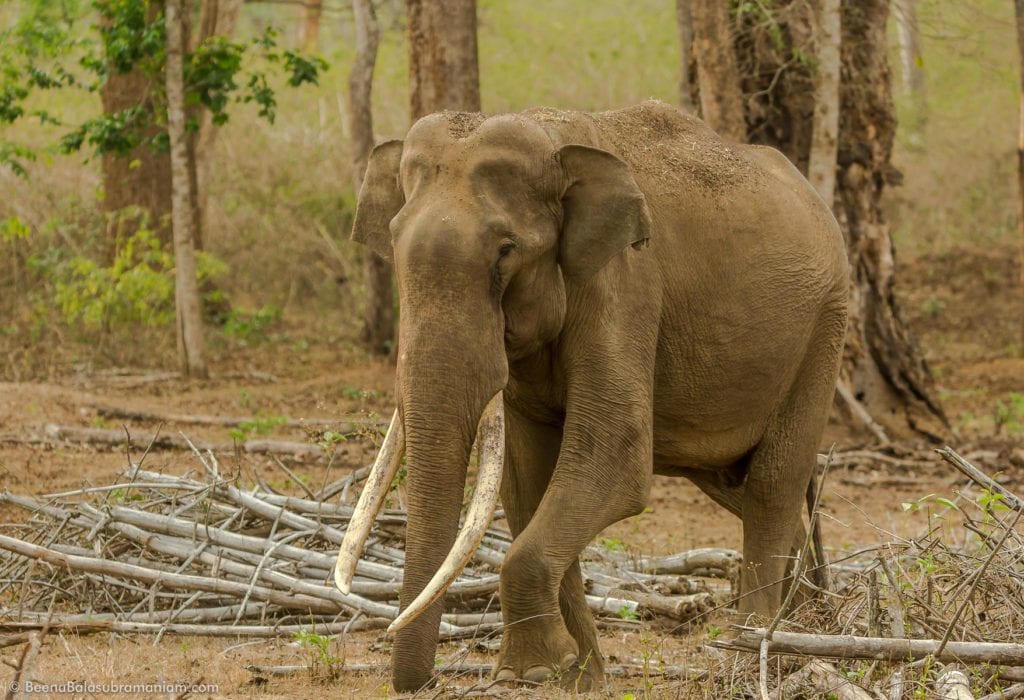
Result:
{"points": [[603, 211], [380, 198]]}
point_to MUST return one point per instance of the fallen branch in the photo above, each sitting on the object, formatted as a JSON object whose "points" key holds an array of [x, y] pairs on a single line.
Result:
{"points": [[953, 684], [880, 648], [824, 679], [347, 426], [1009, 499]]}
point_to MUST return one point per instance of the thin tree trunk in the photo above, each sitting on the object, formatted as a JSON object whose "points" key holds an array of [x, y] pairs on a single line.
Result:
{"points": [[1019, 7], [379, 320], [216, 18], [684, 24], [141, 178], [821, 170], [190, 329], [911, 59], [309, 27], [443, 68], [721, 102]]}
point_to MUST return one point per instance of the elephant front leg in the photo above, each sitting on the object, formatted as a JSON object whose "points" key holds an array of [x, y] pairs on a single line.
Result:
{"points": [[549, 632], [531, 454]]}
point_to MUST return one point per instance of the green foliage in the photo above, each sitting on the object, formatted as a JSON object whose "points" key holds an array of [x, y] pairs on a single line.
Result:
{"points": [[613, 544], [1010, 414], [136, 287], [125, 36], [250, 328], [323, 664], [12, 228], [627, 612], [261, 425]]}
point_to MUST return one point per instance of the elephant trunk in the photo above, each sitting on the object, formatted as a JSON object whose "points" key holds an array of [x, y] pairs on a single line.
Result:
{"points": [[450, 379]]}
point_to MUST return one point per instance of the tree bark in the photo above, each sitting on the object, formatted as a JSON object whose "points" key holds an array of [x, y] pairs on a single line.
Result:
{"points": [[309, 27], [378, 332], [141, 178], [883, 361], [721, 102], [443, 68], [687, 66], [216, 18], [189, 325], [911, 57], [883, 365], [821, 169], [1019, 7]]}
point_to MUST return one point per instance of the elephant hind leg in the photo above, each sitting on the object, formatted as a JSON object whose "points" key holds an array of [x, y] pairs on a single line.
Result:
{"points": [[781, 470]]}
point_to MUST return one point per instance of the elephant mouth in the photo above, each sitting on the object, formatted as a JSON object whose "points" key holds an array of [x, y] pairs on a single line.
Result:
{"points": [[491, 443]]}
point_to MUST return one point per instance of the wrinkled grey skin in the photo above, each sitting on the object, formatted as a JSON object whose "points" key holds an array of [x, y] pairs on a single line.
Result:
{"points": [[651, 300]]}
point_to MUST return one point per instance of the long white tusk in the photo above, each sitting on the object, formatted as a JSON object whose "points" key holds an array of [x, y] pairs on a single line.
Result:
{"points": [[370, 500], [491, 434]]}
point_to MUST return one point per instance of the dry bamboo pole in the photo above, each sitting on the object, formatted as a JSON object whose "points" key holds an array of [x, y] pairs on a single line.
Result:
{"points": [[880, 648], [103, 436], [680, 607], [705, 559], [953, 684], [824, 679], [347, 426]]}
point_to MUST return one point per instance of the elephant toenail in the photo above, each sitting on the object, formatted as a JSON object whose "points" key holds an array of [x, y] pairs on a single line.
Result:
{"points": [[505, 674], [537, 674], [568, 661]]}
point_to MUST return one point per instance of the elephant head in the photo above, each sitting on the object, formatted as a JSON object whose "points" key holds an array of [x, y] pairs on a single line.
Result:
{"points": [[489, 228]]}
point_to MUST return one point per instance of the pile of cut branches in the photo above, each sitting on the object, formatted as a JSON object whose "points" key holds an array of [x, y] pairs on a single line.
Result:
{"points": [[201, 555], [939, 616]]}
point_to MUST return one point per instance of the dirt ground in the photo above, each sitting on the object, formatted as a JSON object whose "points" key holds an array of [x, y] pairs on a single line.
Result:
{"points": [[957, 303]]}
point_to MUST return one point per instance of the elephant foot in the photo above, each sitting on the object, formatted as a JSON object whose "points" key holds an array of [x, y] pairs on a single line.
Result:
{"points": [[545, 654]]}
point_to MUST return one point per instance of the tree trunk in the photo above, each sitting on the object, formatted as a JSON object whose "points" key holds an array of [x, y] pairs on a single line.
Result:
{"points": [[687, 66], [911, 59], [721, 103], [216, 18], [141, 178], [883, 365], [883, 362], [1019, 7], [443, 68], [309, 27], [821, 169], [379, 320], [190, 329]]}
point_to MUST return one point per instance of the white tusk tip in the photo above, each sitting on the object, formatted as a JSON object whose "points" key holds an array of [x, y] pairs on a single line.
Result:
{"points": [[344, 585]]}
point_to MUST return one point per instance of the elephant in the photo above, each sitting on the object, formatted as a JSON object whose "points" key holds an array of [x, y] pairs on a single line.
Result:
{"points": [[597, 298]]}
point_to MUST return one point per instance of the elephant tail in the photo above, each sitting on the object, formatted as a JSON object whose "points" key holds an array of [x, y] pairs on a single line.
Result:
{"points": [[818, 569]]}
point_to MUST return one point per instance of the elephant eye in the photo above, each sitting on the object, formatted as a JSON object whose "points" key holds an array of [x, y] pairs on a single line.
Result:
{"points": [[506, 248]]}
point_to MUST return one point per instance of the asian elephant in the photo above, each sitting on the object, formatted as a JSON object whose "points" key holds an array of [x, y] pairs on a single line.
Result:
{"points": [[626, 294]]}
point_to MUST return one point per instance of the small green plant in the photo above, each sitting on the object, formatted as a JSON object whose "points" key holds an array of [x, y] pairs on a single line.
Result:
{"points": [[261, 425], [714, 632], [250, 328], [356, 393], [1010, 414], [627, 612], [924, 501], [932, 306], [323, 664], [329, 439], [613, 544]]}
